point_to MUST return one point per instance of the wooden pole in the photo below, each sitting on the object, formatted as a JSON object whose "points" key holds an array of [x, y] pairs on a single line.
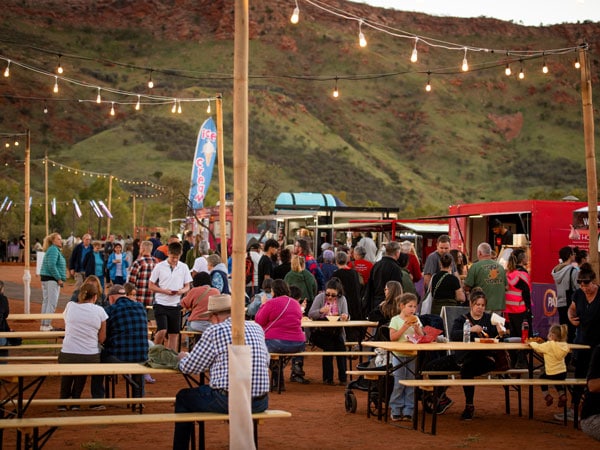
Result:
{"points": [[133, 215], [46, 192], [222, 187], [110, 181], [590, 154], [27, 274], [240, 167]]}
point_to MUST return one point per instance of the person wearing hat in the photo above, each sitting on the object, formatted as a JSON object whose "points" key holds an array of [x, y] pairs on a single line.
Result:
{"points": [[211, 354], [126, 338]]}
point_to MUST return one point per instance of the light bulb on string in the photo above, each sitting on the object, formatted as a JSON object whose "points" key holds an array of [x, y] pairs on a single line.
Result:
{"points": [[45, 108], [178, 106], [59, 68], [16, 143], [98, 98], [465, 64], [521, 73], [577, 64], [362, 41], [295, 15], [150, 82], [336, 93], [55, 89], [174, 108], [507, 70], [208, 108], [414, 56], [7, 70], [428, 85], [112, 108], [545, 66], [137, 105]]}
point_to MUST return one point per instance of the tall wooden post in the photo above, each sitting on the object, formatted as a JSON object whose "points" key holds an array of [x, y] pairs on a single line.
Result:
{"points": [[26, 229], [46, 193], [590, 155], [222, 186]]}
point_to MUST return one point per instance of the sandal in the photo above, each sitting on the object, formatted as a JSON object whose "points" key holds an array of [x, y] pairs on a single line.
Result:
{"points": [[549, 399], [562, 401]]}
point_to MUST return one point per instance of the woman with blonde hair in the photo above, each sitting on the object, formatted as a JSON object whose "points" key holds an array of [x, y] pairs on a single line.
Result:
{"points": [[53, 274], [303, 279]]}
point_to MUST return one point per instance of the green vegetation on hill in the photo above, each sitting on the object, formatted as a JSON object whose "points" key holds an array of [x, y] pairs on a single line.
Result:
{"points": [[476, 137]]}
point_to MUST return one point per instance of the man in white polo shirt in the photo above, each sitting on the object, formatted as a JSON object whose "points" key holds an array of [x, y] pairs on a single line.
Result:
{"points": [[170, 279]]}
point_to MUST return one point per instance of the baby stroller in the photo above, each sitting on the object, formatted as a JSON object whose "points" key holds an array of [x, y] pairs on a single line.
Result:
{"points": [[375, 387]]}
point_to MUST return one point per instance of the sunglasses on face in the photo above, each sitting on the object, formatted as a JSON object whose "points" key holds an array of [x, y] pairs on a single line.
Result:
{"points": [[584, 282], [330, 295]]}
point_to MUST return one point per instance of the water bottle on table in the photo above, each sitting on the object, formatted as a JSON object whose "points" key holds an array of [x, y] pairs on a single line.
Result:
{"points": [[467, 331]]}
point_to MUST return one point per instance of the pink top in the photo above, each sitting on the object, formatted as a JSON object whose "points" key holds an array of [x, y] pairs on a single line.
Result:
{"points": [[278, 325], [198, 307]]}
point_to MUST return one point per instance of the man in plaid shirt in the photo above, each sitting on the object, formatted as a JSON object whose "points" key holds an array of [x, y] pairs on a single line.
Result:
{"points": [[141, 269], [211, 353]]}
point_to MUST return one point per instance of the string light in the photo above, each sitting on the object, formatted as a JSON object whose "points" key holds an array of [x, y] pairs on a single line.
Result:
{"points": [[137, 105], [295, 15], [174, 108], [336, 93], [208, 108], [465, 64], [7, 70], [178, 107], [507, 70], [428, 86], [45, 108], [112, 108], [98, 98], [544, 67], [521, 73], [577, 63], [55, 90], [150, 82], [361, 37], [414, 56], [59, 69]]}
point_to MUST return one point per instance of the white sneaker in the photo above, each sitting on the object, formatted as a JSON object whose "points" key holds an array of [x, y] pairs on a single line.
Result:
{"points": [[561, 416]]}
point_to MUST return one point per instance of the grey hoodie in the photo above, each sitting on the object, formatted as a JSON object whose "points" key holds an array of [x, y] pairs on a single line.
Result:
{"points": [[561, 275]]}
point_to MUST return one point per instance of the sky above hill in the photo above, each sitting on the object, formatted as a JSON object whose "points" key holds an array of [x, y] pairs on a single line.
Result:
{"points": [[527, 12]]}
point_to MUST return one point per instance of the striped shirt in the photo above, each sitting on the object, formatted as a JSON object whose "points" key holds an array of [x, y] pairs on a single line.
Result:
{"points": [[211, 353]]}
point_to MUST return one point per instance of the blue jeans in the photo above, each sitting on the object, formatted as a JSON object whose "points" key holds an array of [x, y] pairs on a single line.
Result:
{"points": [[402, 400], [283, 346], [204, 399]]}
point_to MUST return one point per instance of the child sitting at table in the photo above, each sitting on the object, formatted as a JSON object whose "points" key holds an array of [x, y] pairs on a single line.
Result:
{"points": [[405, 324], [554, 351]]}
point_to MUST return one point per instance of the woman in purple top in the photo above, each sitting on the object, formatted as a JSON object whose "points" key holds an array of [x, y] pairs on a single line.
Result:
{"points": [[281, 319]]}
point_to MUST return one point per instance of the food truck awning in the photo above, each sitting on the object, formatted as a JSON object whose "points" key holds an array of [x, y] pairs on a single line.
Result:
{"points": [[386, 225]]}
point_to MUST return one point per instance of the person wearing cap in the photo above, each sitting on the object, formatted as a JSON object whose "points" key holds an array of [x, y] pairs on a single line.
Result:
{"points": [[211, 354], [169, 280], [126, 337]]}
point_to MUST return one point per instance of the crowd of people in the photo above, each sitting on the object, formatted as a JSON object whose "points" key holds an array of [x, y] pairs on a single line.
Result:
{"points": [[118, 292]]}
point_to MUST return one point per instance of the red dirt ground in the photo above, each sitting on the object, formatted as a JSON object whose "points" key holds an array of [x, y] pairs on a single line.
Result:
{"points": [[319, 419]]}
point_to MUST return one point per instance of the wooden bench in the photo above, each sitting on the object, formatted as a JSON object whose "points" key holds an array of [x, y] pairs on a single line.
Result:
{"points": [[44, 346], [35, 439], [44, 358], [133, 403], [485, 382], [283, 358]]}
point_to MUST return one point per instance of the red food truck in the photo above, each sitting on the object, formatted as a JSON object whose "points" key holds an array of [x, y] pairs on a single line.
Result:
{"points": [[541, 227]]}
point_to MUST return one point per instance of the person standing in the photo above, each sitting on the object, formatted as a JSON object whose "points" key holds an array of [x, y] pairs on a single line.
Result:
{"points": [[565, 276], [117, 265], [265, 263], [384, 270], [211, 353], [94, 263], [169, 280], [489, 276], [502, 236], [139, 276], [53, 274], [188, 244], [432, 263], [80, 251]]}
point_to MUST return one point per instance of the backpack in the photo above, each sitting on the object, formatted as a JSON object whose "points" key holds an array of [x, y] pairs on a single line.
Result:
{"points": [[249, 269]]}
